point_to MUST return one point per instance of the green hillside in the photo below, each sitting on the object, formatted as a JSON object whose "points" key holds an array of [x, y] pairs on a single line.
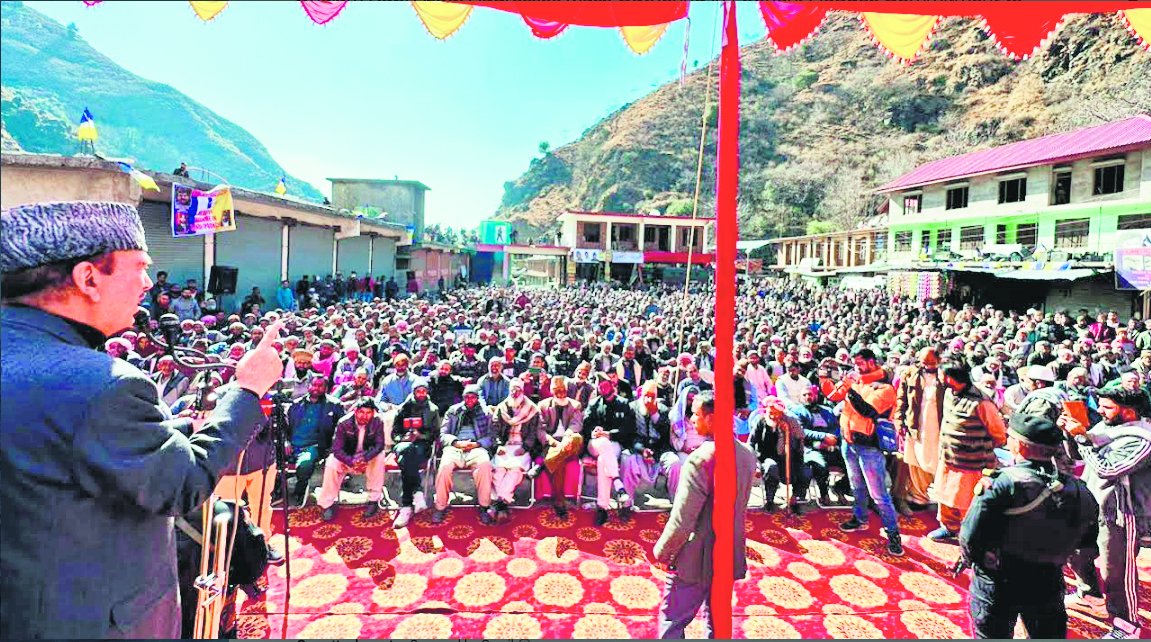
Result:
{"points": [[49, 75]]}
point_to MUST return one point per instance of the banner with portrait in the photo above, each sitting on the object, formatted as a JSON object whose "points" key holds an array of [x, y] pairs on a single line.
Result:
{"points": [[196, 212]]}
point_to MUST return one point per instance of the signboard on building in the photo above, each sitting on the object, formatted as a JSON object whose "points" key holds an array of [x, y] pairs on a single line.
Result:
{"points": [[1133, 260], [626, 257], [495, 232], [196, 211], [581, 255]]}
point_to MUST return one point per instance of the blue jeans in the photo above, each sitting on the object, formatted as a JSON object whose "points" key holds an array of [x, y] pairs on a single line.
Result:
{"points": [[867, 471]]}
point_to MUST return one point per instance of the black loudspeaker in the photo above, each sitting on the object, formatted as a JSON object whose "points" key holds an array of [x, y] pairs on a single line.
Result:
{"points": [[223, 279]]}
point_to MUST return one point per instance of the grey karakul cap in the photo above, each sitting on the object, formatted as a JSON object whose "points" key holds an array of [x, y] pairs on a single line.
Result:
{"points": [[42, 233]]}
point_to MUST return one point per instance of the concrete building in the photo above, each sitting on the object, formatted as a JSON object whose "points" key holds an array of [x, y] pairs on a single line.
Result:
{"points": [[1035, 223], [611, 244], [1040, 220], [276, 237], [401, 202]]}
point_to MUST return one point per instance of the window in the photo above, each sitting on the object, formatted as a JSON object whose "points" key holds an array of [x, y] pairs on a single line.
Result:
{"points": [[1071, 233], [1134, 222], [860, 252], [957, 198], [1061, 194], [1001, 234], [879, 240], [1013, 190], [626, 233], [903, 241], [1027, 234], [912, 203], [1108, 180], [943, 240], [971, 238], [591, 232], [925, 242]]}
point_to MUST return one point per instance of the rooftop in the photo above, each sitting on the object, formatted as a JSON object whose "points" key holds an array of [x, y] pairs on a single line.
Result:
{"points": [[643, 216], [1114, 137], [383, 181]]}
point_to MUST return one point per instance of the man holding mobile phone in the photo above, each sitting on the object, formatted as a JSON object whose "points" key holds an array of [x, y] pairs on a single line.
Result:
{"points": [[416, 426]]}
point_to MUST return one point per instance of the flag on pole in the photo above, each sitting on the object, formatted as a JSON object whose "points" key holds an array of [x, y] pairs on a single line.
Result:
{"points": [[87, 129], [143, 179], [282, 187]]}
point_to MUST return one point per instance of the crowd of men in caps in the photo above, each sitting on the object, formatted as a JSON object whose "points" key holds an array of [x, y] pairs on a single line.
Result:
{"points": [[511, 385]]}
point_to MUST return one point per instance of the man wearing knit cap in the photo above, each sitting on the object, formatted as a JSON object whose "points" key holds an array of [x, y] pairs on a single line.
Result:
{"points": [[85, 438], [1023, 524], [415, 429]]}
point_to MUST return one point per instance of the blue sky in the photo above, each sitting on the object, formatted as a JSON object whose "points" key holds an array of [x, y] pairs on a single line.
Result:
{"points": [[373, 95]]}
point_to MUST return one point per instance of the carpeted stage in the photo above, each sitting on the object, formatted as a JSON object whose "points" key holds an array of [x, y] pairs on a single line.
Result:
{"points": [[540, 577]]}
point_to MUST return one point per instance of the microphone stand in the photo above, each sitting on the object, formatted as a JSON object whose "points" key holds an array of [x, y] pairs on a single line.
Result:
{"points": [[281, 399]]}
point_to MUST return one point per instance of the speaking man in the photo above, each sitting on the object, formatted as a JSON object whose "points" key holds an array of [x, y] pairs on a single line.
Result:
{"points": [[94, 467]]}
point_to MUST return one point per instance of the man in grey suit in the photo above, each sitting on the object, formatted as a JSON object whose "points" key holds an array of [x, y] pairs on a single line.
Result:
{"points": [[94, 467], [688, 537]]}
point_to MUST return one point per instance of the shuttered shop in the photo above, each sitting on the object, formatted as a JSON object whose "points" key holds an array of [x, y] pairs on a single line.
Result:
{"points": [[353, 255], [253, 248], [310, 251], [181, 258], [384, 257]]}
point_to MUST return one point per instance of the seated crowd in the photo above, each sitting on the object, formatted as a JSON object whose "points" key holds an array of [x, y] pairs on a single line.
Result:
{"points": [[890, 407]]}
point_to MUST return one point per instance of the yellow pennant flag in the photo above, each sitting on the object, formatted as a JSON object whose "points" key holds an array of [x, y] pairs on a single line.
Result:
{"points": [[441, 19], [1139, 21], [207, 9], [901, 35], [642, 39]]}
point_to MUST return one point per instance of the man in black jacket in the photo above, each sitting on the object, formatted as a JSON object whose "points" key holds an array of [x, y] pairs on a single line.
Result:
{"points": [[608, 428], [416, 428]]}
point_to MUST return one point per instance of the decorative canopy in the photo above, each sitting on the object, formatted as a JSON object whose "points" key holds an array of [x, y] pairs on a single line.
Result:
{"points": [[1019, 29]]}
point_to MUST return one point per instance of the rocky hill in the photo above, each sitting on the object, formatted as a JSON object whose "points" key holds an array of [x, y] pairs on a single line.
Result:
{"points": [[49, 75], [831, 120]]}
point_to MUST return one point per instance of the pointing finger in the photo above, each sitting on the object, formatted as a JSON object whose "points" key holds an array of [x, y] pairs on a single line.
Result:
{"points": [[271, 334]]}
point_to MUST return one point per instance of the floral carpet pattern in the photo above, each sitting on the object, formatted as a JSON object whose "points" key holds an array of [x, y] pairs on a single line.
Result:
{"points": [[538, 576]]}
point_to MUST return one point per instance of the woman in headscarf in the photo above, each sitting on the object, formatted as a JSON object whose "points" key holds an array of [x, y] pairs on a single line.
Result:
{"points": [[517, 444]]}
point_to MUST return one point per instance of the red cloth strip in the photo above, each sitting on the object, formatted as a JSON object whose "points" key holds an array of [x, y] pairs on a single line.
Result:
{"points": [[612, 13], [727, 232]]}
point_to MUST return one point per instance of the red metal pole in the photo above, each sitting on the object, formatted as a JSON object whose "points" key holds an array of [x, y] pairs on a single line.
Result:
{"points": [[727, 232]]}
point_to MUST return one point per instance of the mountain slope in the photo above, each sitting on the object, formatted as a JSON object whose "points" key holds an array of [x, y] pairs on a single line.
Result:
{"points": [[50, 75], [828, 122]]}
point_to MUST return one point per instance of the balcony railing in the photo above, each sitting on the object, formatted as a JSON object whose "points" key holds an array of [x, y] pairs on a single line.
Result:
{"points": [[584, 244]]}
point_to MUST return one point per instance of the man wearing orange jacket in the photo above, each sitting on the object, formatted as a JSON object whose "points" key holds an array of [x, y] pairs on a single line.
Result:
{"points": [[868, 396]]}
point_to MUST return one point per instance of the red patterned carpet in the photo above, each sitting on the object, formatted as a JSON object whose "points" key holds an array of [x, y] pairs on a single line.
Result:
{"points": [[540, 577]]}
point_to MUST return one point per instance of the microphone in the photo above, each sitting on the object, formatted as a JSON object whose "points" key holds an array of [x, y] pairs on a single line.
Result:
{"points": [[170, 328]]}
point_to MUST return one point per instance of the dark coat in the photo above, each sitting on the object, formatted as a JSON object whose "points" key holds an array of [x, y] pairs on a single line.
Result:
{"points": [[329, 416], [344, 443], [617, 419], [94, 469]]}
